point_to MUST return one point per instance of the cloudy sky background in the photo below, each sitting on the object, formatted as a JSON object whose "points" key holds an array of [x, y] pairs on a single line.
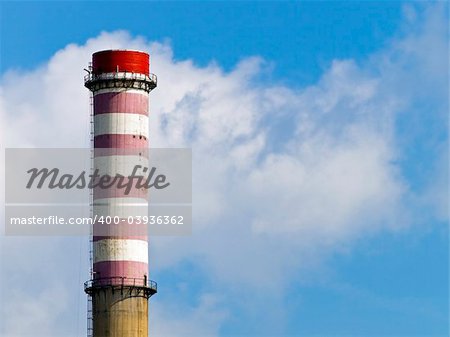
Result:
{"points": [[320, 188]]}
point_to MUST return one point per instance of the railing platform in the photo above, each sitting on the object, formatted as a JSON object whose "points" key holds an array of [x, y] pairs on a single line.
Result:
{"points": [[96, 82], [149, 287]]}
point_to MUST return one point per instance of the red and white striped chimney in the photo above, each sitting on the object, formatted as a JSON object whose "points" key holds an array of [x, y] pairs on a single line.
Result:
{"points": [[120, 82]]}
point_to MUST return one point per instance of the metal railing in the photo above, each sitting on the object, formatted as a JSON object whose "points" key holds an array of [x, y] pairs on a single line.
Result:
{"points": [[121, 281], [120, 76]]}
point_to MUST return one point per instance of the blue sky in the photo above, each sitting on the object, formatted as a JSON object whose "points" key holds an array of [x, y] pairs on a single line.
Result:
{"points": [[353, 92], [300, 38]]}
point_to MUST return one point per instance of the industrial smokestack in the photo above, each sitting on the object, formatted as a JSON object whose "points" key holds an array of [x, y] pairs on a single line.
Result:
{"points": [[119, 290]]}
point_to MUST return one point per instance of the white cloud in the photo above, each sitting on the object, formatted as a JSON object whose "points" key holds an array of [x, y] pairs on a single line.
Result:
{"points": [[41, 286], [173, 319], [34, 315], [269, 198]]}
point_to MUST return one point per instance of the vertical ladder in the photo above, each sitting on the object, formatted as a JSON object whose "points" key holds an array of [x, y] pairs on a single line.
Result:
{"points": [[90, 319]]}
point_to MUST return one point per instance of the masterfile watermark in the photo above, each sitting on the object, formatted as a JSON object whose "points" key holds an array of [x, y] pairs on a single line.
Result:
{"points": [[84, 180], [49, 191]]}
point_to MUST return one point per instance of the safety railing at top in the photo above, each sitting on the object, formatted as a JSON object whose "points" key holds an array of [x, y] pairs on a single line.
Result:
{"points": [[120, 76], [121, 281]]}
